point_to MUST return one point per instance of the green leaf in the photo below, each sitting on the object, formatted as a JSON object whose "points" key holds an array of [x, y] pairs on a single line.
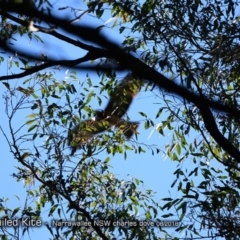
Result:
{"points": [[6, 85], [52, 210], [30, 122], [25, 155], [166, 199], [159, 113], [143, 114], [55, 96], [137, 181], [197, 154], [49, 228], [4, 237], [32, 127], [148, 215], [134, 200], [172, 185], [115, 23], [99, 13], [15, 211], [17, 197], [188, 186], [183, 207], [178, 148], [135, 210], [167, 215], [174, 157]]}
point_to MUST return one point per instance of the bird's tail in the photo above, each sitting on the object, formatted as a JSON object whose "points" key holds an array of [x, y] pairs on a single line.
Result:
{"points": [[84, 131], [126, 127]]}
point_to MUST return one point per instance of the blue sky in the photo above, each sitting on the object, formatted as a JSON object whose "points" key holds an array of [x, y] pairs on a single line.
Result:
{"points": [[156, 171]]}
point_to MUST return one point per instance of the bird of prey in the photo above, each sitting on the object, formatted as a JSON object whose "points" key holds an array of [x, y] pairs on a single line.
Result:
{"points": [[120, 100]]}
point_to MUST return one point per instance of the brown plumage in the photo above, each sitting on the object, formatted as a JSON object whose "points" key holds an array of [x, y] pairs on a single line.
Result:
{"points": [[128, 128], [122, 96], [120, 100]]}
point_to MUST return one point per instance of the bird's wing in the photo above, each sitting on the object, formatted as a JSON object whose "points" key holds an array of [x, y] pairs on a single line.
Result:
{"points": [[85, 130], [122, 96]]}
